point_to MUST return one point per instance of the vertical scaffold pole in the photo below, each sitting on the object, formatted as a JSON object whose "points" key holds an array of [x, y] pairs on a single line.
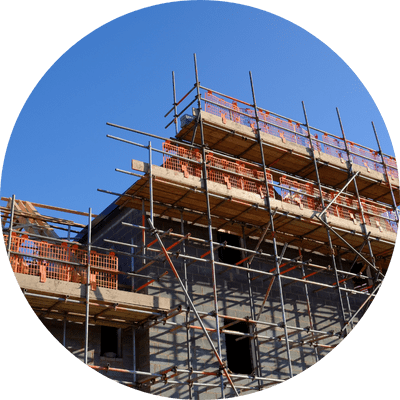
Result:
{"points": [[386, 173], [189, 364], [88, 287], [345, 286], [253, 329], [309, 307], [151, 184], [10, 228], [64, 331], [222, 365], [272, 227], [351, 172], [143, 233], [209, 222], [332, 251], [134, 354], [175, 108], [132, 265]]}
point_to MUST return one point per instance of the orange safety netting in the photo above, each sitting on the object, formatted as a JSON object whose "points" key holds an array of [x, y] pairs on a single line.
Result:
{"points": [[231, 180], [376, 216], [177, 164], [238, 175], [334, 147], [346, 207], [223, 108], [298, 193], [233, 174], [295, 133], [48, 260]]}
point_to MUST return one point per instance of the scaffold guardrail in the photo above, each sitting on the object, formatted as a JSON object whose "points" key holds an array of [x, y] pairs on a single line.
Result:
{"points": [[239, 175], [233, 174], [56, 261], [306, 195], [294, 132]]}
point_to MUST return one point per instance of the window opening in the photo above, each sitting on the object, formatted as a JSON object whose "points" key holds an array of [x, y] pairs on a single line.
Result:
{"points": [[238, 352], [110, 343], [229, 256]]}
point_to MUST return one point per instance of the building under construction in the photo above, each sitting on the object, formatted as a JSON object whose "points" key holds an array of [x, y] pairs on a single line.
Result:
{"points": [[242, 260]]}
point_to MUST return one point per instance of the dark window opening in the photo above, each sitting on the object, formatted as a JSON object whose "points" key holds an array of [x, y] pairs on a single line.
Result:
{"points": [[238, 352], [110, 344], [229, 256], [358, 282]]}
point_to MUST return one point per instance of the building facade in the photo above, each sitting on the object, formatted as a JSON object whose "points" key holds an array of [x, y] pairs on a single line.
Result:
{"points": [[243, 259]]}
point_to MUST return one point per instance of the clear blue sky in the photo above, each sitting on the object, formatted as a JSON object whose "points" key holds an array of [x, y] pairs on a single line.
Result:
{"points": [[58, 153]]}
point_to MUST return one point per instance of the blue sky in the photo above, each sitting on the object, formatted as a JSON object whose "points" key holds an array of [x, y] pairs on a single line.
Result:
{"points": [[58, 153]]}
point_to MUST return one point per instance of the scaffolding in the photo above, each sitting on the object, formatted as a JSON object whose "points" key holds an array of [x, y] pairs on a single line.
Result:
{"points": [[273, 182]]}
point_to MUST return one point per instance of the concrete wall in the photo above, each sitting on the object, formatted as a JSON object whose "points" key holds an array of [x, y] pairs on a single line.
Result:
{"points": [[168, 348], [75, 343]]}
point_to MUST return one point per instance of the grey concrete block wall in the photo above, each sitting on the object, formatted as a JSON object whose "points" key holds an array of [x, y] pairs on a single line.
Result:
{"points": [[159, 348], [233, 300], [75, 343]]}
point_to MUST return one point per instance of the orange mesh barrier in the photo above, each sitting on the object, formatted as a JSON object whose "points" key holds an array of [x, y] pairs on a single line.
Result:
{"points": [[345, 207], [232, 174], [236, 174], [44, 259], [260, 187], [295, 133], [306, 195], [298, 193], [231, 180], [327, 196], [376, 216], [235, 181], [227, 110], [339, 152], [390, 161], [177, 164], [355, 148]]}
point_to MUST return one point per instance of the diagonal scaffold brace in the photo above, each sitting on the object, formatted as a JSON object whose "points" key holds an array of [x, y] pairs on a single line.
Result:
{"points": [[221, 363], [379, 274], [338, 194]]}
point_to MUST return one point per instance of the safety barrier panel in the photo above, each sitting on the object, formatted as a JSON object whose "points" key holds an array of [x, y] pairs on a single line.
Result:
{"points": [[177, 164], [268, 123], [306, 195], [295, 133], [230, 173], [240, 175], [334, 147], [377, 216], [345, 207], [226, 109], [48, 260], [298, 193], [231, 180]]}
